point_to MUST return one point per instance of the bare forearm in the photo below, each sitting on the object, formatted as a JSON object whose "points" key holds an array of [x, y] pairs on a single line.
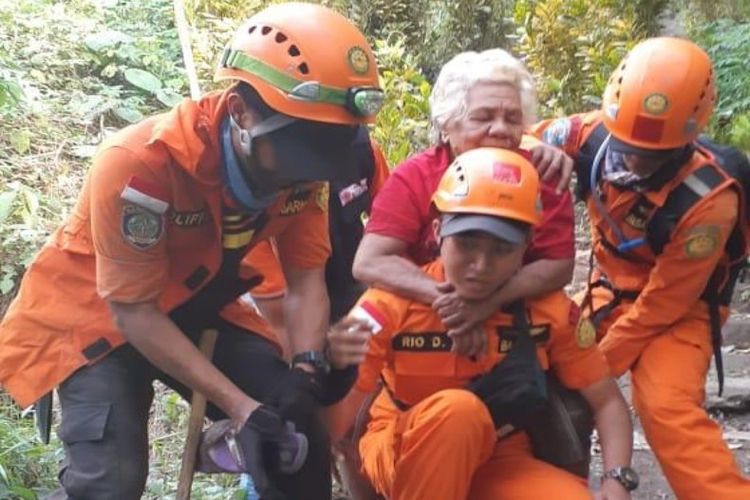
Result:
{"points": [[154, 335], [613, 425], [535, 279], [306, 316], [397, 275], [306, 309]]}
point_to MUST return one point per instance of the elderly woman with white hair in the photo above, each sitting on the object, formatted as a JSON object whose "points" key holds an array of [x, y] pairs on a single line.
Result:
{"points": [[480, 99]]}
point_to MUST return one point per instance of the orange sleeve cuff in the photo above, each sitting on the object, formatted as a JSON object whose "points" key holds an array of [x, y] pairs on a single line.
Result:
{"points": [[130, 282]]}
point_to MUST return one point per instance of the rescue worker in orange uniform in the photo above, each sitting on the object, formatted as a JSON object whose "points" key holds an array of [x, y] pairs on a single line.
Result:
{"points": [[667, 231], [154, 252], [348, 212], [440, 428]]}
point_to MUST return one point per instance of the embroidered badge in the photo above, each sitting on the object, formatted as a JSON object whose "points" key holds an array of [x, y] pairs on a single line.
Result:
{"points": [[585, 333], [358, 60], [353, 191], [140, 227], [702, 242], [557, 133], [367, 312], [321, 197], [656, 103], [146, 194]]}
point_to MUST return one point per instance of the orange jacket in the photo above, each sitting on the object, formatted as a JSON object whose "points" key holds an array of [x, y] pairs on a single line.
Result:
{"points": [[411, 350], [60, 320], [671, 283]]}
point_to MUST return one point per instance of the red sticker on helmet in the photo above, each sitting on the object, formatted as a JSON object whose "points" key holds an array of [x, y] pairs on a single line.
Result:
{"points": [[506, 173], [647, 129]]}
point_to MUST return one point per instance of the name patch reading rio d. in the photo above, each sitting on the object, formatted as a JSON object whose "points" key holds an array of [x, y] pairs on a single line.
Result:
{"points": [[422, 342]]}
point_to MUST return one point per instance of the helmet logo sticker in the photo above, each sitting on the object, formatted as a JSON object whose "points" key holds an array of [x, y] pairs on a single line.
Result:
{"points": [[358, 60], [506, 173], [656, 103]]}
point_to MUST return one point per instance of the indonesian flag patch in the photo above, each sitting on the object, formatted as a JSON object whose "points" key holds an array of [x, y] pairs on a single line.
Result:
{"points": [[366, 312], [146, 194]]}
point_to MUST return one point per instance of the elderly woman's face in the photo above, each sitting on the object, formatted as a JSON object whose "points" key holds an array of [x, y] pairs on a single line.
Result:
{"points": [[493, 119]]}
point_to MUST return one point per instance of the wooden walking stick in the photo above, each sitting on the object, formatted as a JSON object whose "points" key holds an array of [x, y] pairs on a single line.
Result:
{"points": [[195, 424]]}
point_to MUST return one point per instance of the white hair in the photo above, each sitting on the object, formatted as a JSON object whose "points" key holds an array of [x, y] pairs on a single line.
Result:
{"points": [[460, 74]]}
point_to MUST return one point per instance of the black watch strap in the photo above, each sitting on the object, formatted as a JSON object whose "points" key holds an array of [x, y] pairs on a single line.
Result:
{"points": [[626, 476], [315, 358]]}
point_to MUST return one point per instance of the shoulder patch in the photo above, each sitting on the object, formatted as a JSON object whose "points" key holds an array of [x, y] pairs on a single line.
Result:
{"points": [[585, 333], [702, 241], [367, 312], [140, 227], [558, 132], [148, 195], [349, 193]]}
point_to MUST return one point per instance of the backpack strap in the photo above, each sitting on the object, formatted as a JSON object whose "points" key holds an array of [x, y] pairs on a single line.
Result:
{"points": [[718, 290], [680, 200], [584, 160], [346, 228]]}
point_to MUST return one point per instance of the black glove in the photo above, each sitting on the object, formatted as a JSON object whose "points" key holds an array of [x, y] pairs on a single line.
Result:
{"points": [[297, 395], [337, 383], [515, 388], [259, 443]]}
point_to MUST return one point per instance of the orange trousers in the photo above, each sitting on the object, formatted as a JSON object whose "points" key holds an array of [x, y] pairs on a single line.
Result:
{"points": [[446, 448], [668, 385]]}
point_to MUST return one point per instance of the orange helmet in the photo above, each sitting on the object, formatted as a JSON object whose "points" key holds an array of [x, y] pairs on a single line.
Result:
{"points": [[490, 181], [661, 96], [306, 61]]}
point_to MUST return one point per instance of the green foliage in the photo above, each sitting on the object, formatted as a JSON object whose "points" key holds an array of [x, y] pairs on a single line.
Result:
{"points": [[572, 46], [23, 229], [726, 43], [402, 124], [27, 468]]}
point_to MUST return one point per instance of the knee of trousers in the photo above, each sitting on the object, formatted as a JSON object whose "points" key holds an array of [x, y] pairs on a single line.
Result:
{"points": [[461, 413], [661, 409]]}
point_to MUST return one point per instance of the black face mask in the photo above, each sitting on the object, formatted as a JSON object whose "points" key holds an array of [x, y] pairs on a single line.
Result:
{"points": [[307, 151]]}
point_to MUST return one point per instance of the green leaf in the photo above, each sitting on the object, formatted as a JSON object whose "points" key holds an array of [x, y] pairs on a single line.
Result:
{"points": [[6, 204], [130, 115], [6, 283], [168, 97], [106, 39], [142, 79], [21, 141]]}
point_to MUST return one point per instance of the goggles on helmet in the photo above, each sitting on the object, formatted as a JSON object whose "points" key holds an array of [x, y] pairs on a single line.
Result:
{"points": [[359, 101]]}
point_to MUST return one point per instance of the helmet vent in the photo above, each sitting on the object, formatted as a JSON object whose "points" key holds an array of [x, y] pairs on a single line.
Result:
{"points": [[293, 51], [251, 29], [265, 30], [617, 94], [303, 68], [280, 37]]}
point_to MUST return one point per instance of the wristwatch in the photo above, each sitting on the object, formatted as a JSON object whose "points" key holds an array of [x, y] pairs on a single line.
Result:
{"points": [[626, 476], [316, 359]]}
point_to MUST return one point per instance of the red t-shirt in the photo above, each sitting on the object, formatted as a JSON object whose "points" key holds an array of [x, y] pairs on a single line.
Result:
{"points": [[403, 209]]}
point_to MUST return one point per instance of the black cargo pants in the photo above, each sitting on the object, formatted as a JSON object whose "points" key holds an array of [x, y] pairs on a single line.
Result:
{"points": [[105, 411]]}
